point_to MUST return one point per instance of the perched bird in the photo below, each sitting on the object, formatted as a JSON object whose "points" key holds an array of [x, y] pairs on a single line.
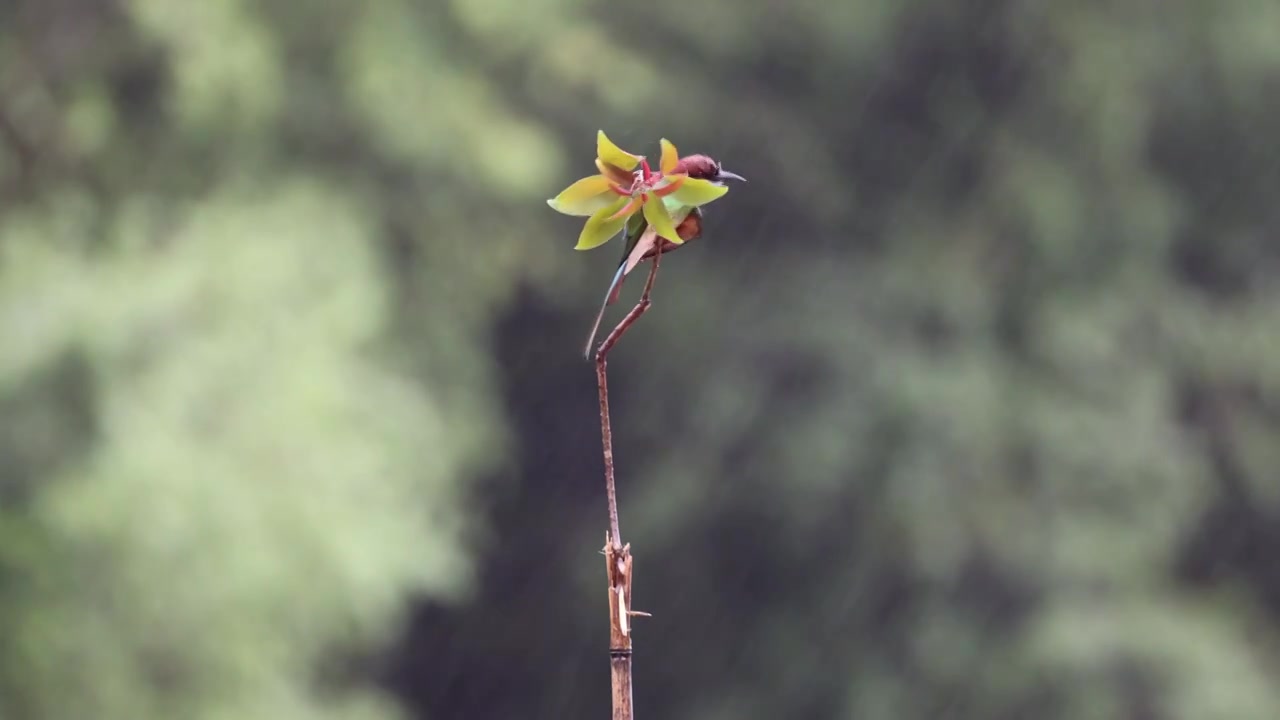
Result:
{"points": [[652, 209], [642, 239]]}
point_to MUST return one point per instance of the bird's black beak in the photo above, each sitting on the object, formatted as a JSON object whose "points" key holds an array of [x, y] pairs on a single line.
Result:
{"points": [[726, 175]]}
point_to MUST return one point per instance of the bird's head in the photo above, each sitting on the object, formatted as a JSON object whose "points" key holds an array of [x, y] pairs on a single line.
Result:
{"points": [[705, 167]]}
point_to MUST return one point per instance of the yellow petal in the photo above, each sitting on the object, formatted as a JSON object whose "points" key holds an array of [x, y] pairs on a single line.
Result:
{"points": [[600, 227], [660, 220], [614, 155], [670, 157], [584, 197], [627, 210], [669, 184], [696, 191], [623, 178]]}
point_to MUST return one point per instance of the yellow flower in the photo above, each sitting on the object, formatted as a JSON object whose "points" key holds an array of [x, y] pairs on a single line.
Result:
{"points": [[588, 195], [618, 192]]}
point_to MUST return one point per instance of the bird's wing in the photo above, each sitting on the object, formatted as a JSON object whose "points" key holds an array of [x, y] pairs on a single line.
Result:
{"points": [[649, 239], [636, 225], [646, 242]]}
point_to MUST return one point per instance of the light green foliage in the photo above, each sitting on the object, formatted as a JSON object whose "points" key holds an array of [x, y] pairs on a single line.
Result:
{"points": [[259, 489], [421, 105], [225, 64], [223, 469]]}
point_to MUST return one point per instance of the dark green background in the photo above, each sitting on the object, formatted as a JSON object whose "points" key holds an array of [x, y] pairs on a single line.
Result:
{"points": [[966, 406]]}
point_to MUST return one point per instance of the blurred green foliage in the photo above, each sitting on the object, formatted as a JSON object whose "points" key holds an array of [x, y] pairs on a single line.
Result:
{"points": [[966, 406]]}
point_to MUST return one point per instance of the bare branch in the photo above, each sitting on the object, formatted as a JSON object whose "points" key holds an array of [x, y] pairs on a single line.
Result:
{"points": [[618, 556]]}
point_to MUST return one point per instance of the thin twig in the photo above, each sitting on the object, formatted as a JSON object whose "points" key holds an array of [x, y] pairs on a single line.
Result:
{"points": [[618, 556], [602, 384]]}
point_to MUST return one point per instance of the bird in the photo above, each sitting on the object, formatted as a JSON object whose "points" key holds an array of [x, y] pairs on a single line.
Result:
{"points": [[642, 241]]}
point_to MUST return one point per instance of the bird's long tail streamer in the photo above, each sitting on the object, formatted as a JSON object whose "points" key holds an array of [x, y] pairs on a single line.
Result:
{"points": [[608, 299]]}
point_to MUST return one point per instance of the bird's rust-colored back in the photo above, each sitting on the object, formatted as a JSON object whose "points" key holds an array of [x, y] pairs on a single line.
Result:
{"points": [[646, 244], [702, 167]]}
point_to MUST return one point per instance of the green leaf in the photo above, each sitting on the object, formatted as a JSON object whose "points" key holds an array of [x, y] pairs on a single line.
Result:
{"points": [[660, 220], [614, 155], [583, 198], [600, 227], [696, 192]]}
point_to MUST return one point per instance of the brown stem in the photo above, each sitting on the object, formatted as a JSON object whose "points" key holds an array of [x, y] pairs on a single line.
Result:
{"points": [[618, 556], [602, 384]]}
